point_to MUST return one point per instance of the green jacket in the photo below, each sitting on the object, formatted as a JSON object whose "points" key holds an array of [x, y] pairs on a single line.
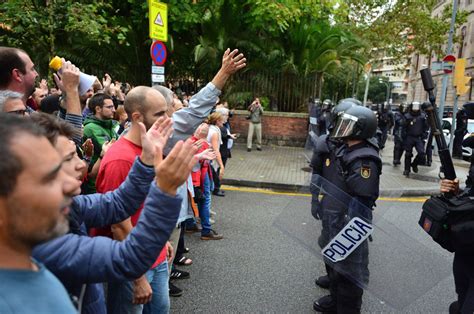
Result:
{"points": [[99, 131]]}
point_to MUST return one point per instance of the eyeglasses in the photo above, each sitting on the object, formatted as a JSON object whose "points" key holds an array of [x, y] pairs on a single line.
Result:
{"points": [[20, 112], [109, 107]]}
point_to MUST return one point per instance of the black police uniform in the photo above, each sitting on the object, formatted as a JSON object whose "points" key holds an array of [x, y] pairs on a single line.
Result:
{"points": [[459, 132], [385, 122], [323, 163], [416, 127], [313, 127], [358, 174], [398, 136]]}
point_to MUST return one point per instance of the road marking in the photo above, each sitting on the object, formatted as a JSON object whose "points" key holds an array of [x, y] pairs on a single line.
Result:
{"points": [[270, 192]]}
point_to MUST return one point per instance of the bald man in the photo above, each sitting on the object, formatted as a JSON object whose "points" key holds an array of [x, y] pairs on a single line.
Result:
{"points": [[149, 293]]}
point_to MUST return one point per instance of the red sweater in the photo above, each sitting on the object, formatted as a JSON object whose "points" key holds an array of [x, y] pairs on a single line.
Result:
{"points": [[113, 170]]}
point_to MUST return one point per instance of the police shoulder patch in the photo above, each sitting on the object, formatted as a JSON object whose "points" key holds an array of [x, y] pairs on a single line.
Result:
{"points": [[365, 172]]}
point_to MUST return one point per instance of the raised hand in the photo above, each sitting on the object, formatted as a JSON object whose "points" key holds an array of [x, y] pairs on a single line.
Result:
{"points": [[174, 170], [106, 81], [232, 61], [44, 85], [68, 78], [207, 154], [154, 140], [88, 148]]}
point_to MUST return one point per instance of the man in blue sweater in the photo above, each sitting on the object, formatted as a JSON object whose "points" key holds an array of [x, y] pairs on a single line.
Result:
{"points": [[81, 262], [35, 195]]}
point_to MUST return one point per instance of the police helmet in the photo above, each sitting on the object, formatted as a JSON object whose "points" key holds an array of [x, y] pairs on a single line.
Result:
{"points": [[415, 106], [354, 100], [469, 109], [317, 102], [357, 122], [342, 106]]}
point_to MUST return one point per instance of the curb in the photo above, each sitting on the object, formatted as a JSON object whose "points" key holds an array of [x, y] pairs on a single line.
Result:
{"points": [[415, 192]]}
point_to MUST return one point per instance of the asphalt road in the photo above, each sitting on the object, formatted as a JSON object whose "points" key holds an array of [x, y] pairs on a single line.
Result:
{"points": [[269, 258]]}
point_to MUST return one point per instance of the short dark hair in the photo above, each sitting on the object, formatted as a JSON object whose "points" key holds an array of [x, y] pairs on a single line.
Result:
{"points": [[10, 59], [54, 126], [10, 165], [97, 100]]}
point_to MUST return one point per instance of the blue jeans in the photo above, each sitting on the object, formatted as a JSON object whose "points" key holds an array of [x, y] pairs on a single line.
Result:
{"points": [[120, 294], [158, 279], [204, 206]]}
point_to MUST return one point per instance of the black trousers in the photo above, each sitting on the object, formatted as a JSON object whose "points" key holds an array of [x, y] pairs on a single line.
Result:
{"points": [[463, 270], [397, 150], [417, 143], [215, 176], [345, 293]]}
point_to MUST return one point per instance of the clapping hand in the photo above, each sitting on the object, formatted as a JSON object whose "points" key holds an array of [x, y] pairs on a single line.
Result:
{"points": [[207, 154], [154, 140], [174, 170]]}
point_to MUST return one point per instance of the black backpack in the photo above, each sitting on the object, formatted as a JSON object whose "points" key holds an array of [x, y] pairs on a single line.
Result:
{"points": [[450, 222]]}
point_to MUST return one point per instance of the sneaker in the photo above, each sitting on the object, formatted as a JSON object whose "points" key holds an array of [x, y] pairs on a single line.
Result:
{"points": [[323, 282], [218, 193], [212, 235], [179, 274], [406, 173], [325, 304], [259, 149], [415, 168], [174, 291], [249, 149]]}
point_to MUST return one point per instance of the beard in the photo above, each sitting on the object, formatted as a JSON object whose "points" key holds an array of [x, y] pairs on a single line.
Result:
{"points": [[19, 217]]}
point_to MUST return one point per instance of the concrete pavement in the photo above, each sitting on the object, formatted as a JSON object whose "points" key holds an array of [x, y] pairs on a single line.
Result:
{"points": [[287, 168]]}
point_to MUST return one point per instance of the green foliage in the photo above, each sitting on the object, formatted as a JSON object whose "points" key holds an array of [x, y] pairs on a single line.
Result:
{"points": [[377, 89], [292, 39]]}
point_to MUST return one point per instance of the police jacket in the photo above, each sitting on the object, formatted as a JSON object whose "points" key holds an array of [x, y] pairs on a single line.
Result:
{"points": [[385, 119], [77, 259], [416, 125], [399, 123]]}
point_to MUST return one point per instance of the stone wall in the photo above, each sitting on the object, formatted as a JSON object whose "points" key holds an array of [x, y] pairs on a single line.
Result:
{"points": [[278, 128]]}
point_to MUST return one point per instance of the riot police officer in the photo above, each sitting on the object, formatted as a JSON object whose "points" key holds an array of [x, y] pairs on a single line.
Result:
{"points": [[358, 174], [385, 122], [398, 134], [323, 163], [416, 127], [325, 116], [313, 127]]}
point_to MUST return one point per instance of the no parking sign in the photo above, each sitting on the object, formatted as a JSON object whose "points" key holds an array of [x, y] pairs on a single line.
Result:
{"points": [[158, 53]]}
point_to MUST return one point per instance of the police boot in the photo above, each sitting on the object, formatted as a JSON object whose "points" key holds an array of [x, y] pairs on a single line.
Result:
{"points": [[323, 282], [407, 164], [396, 157], [454, 308], [325, 304]]}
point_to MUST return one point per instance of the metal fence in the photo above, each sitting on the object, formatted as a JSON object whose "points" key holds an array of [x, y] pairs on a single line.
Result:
{"points": [[286, 92]]}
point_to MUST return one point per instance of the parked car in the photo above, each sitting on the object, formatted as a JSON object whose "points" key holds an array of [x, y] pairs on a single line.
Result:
{"points": [[446, 126]]}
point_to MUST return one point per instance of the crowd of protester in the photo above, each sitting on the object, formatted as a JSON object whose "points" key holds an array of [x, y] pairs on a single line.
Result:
{"points": [[127, 170]]}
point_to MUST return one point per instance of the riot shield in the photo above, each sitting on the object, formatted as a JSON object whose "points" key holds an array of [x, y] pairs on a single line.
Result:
{"points": [[381, 250]]}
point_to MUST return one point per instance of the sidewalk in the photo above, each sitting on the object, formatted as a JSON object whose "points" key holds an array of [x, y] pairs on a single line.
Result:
{"points": [[287, 169]]}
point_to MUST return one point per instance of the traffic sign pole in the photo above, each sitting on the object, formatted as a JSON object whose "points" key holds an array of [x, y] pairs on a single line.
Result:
{"points": [[448, 52]]}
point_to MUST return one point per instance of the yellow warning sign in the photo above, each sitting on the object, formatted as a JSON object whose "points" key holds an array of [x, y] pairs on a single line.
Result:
{"points": [[158, 18]]}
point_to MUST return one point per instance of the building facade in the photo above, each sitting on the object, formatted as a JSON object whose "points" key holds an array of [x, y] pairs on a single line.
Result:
{"points": [[397, 74], [463, 50]]}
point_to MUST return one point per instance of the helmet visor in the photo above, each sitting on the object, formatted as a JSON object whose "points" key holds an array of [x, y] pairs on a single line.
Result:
{"points": [[345, 125]]}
